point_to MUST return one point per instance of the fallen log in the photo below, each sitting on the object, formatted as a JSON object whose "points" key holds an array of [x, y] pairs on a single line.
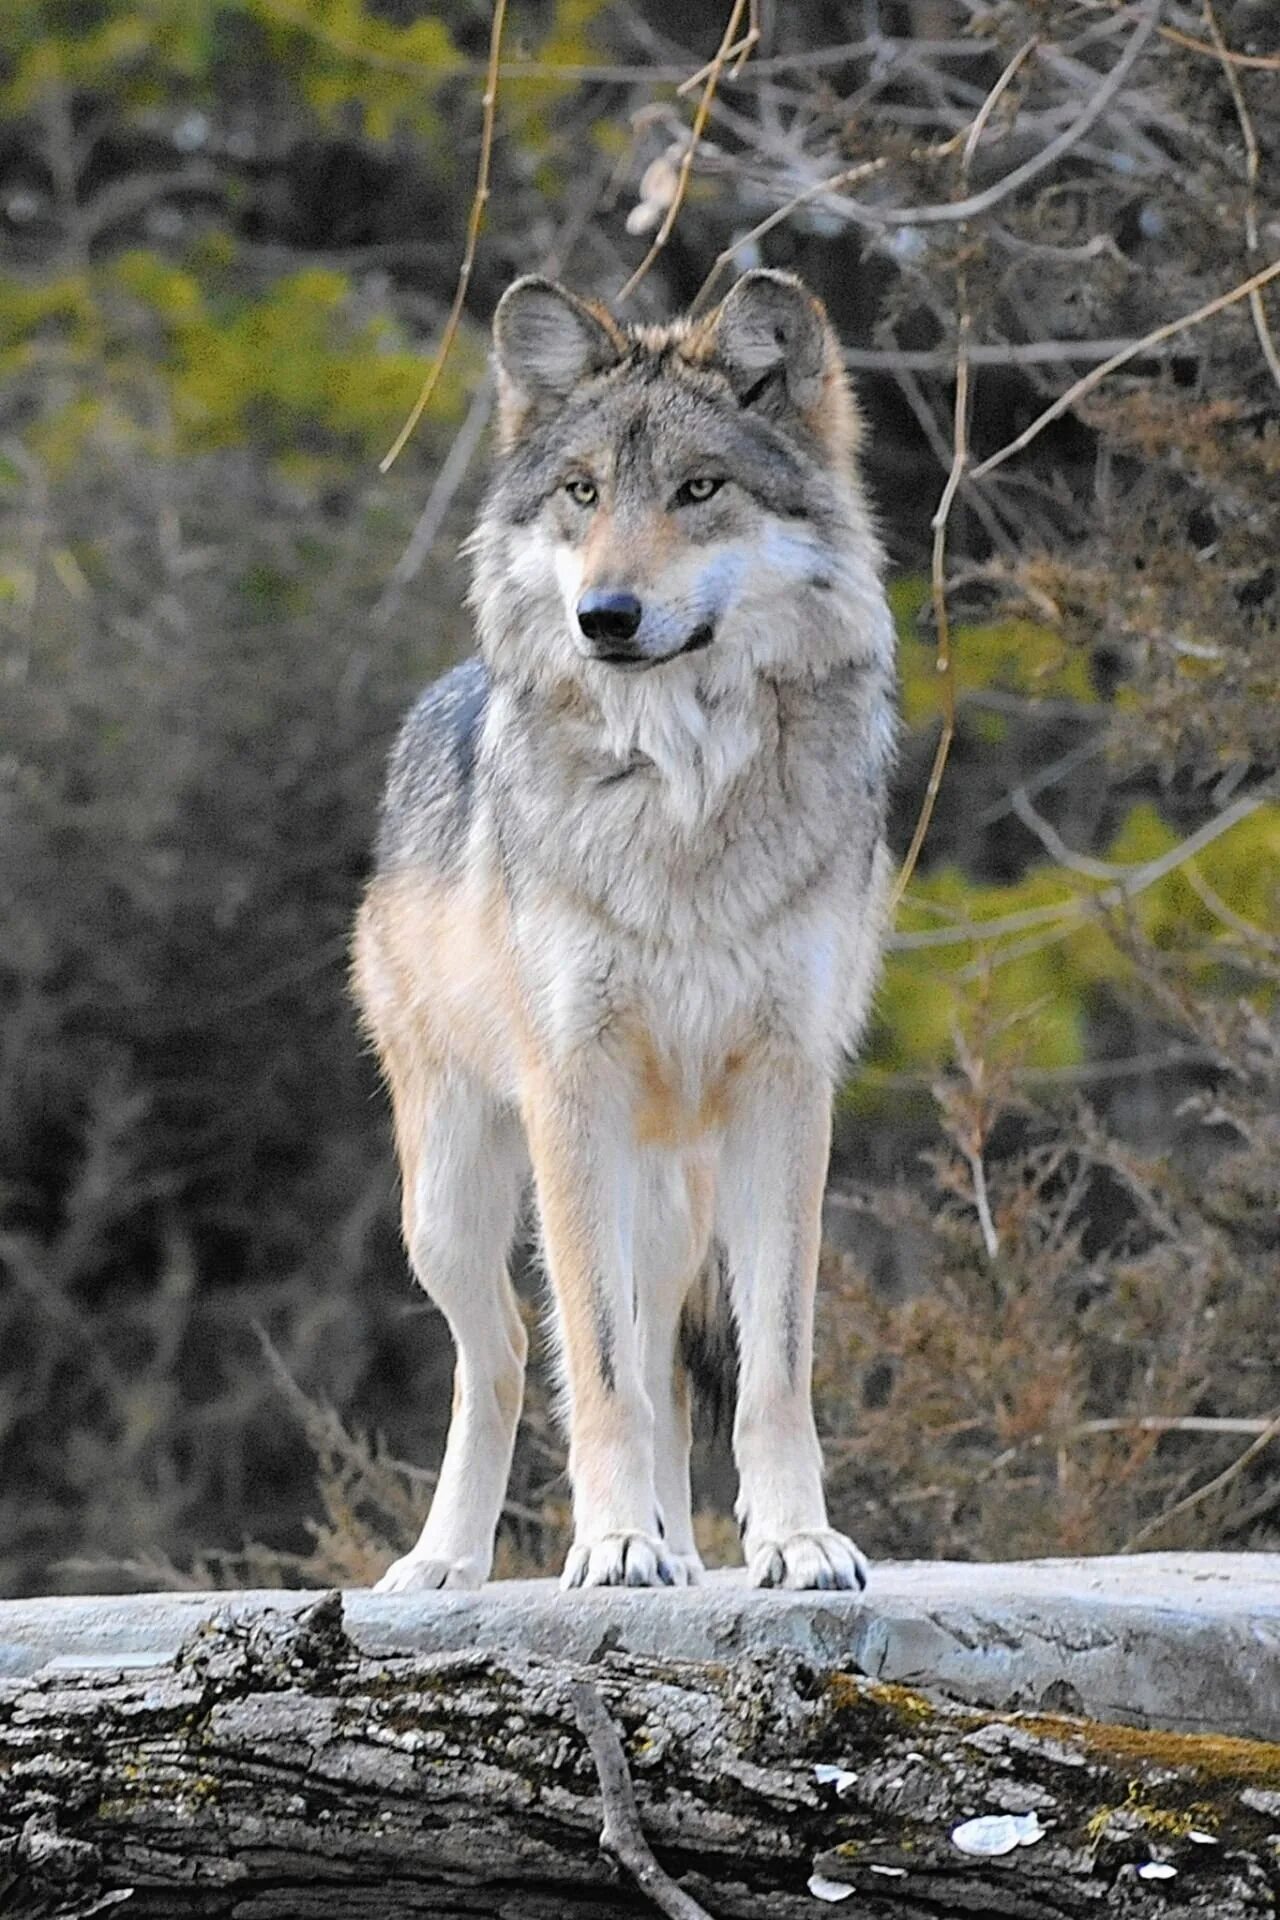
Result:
{"points": [[295, 1760]]}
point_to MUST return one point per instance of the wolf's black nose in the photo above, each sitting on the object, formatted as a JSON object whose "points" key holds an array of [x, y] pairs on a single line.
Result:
{"points": [[604, 615]]}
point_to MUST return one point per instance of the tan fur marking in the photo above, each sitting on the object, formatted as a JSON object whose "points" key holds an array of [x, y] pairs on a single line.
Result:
{"points": [[717, 1101], [660, 1118], [634, 559], [663, 1117], [568, 700], [598, 1415], [435, 976]]}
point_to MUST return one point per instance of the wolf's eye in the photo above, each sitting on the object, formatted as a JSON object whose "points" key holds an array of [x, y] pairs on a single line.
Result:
{"points": [[583, 493], [701, 487]]}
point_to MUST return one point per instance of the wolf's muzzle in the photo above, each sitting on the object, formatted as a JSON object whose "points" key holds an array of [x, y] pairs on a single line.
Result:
{"points": [[611, 622]]}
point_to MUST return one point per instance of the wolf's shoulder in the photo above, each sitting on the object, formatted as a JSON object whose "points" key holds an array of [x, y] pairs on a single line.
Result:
{"points": [[427, 803]]}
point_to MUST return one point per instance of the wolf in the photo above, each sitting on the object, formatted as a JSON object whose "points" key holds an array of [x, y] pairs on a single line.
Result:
{"points": [[626, 913]]}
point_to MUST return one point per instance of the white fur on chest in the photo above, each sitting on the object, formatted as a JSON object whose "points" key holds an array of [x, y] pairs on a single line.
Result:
{"points": [[696, 737], [695, 1002]]}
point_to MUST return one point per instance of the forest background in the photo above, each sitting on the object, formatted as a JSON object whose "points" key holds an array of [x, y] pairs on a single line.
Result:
{"points": [[230, 237]]}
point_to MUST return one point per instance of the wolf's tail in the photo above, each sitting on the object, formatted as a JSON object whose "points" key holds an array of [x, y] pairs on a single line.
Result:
{"points": [[708, 1344]]}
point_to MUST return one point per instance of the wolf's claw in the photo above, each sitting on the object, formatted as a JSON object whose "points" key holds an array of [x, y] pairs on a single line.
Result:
{"points": [[820, 1559], [623, 1560]]}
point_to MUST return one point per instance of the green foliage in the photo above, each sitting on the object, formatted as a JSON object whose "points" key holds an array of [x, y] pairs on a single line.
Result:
{"points": [[335, 46], [1040, 978], [1059, 941], [1009, 656], [341, 61], [296, 370], [138, 54]]}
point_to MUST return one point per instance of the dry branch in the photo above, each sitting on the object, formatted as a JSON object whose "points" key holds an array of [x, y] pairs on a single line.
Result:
{"points": [[729, 46], [475, 220], [1067, 400], [622, 1835], [971, 206]]}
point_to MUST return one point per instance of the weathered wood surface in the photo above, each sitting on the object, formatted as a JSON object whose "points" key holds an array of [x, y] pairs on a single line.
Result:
{"points": [[274, 1771]]}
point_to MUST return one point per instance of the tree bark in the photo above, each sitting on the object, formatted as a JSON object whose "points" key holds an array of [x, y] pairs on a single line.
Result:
{"points": [[272, 1771]]}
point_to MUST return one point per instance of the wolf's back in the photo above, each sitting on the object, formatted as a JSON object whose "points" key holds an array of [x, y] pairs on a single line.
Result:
{"points": [[431, 776]]}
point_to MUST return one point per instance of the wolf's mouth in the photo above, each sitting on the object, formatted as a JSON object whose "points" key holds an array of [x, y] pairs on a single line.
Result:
{"points": [[623, 656], [700, 637]]}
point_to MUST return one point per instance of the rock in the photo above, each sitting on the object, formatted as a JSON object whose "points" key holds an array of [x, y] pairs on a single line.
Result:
{"points": [[1186, 1641]]}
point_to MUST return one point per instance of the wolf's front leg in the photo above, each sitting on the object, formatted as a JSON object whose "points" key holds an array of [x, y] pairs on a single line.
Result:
{"points": [[463, 1166], [583, 1166], [772, 1176]]}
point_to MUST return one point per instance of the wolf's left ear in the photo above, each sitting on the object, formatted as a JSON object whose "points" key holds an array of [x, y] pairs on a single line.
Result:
{"points": [[771, 339], [546, 341]]}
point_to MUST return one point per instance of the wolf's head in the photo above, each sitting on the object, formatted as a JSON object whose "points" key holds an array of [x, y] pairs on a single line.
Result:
{"points": [[671, 494]]}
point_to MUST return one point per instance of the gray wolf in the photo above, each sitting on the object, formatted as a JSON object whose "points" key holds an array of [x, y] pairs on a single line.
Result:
{"points": [[628, 904]]}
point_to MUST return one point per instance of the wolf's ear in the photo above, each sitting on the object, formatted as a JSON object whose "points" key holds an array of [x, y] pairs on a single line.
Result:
{"points": [[771, 339], [546, 341]]}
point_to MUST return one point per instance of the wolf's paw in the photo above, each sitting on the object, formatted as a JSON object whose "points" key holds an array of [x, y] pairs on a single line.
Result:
{"points": [[623, 1560], [818, 1558], [417, 1574], [688, 1569]]}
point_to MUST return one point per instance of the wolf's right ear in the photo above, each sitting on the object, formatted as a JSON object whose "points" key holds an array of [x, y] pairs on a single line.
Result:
{"points": [[546, 341], [770, 326], [772, 341]]}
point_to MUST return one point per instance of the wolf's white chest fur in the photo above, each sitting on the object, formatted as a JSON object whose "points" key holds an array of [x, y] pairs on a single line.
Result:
{"points": [[696, 751], [690, 901]]}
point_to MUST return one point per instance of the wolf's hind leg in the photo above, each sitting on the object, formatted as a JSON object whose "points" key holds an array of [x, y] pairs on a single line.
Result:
{"points": [[463, 1162], [673, 1232]]}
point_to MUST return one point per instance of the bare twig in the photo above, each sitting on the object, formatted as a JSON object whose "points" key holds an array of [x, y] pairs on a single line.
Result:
{"points": [[1009, 353], [439, 500], [1261, 62], [981, 1201], [750, 40], [1210, 1487], [622, 1836], [1133, 881], [727, 48], [474, 223], [960, 209], [847, 177], [972, 205], [1053, 843], [125, 199], [1047, 776], [1248, 930], [959, 460], [1090, 380], [1210, 1423], [1266, 339]]}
